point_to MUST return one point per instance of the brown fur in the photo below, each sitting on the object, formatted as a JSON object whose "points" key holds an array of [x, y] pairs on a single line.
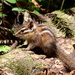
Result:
{"points": [[41, 36]]}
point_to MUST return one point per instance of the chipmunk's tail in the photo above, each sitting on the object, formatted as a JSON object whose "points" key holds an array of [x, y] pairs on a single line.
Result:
{"points": [[68, 59]]}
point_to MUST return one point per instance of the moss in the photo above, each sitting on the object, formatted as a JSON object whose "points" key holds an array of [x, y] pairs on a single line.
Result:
{"points": [[62, 22], [72, 9], [20, 65], [23, 66]]}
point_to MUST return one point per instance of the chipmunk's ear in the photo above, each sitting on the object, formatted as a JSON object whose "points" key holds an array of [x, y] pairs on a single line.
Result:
{"points": [[32, 25]]}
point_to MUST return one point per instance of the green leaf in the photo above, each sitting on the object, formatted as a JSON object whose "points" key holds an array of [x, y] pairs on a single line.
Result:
{"points": [[4, 48], [36, 12], [0, 4], [73, 38], [29, 0], [39, 0], [11, 1], [1, 14], [18, 9], [20, 0]]}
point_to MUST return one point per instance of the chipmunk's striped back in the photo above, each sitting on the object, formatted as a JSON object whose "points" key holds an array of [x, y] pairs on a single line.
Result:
{"points": [[45, 29]]}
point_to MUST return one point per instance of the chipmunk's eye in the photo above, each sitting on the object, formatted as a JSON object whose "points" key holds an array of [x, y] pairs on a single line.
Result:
{"points": [[22, 30], [31, 27]]}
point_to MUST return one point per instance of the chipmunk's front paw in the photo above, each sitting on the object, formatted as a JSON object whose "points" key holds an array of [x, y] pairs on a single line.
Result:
{"points": [[25, 49]]}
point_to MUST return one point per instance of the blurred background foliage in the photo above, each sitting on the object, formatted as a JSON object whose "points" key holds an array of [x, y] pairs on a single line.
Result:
{"points": [[49, 5], [9, 10]]}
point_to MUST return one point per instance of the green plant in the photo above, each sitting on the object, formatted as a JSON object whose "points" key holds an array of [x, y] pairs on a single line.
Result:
{"points": [[4, 48], [2, 15], [0, 5], [73, 38], [29, 7], [11, 1], [18, 9]]}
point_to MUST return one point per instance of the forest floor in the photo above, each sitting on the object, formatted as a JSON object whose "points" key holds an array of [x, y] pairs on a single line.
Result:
{"points": [[35, 62]]}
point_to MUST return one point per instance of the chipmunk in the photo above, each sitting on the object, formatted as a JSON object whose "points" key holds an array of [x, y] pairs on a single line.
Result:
{"points": [[41, 36]]}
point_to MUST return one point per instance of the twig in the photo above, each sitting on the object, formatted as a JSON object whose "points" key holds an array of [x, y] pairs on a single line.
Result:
{"points": [[37, 5], [62, 4], [3, 1]]}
